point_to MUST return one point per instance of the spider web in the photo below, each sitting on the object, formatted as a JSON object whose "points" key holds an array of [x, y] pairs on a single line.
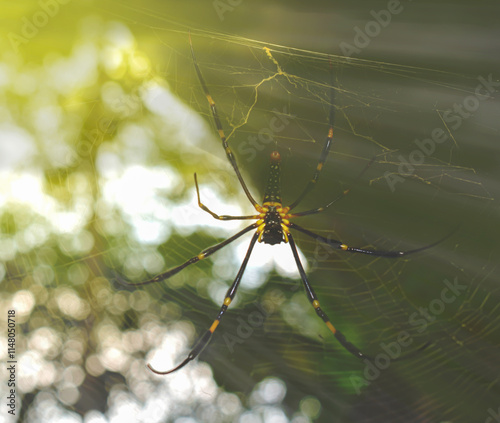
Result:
{"points": [[110, 190]]}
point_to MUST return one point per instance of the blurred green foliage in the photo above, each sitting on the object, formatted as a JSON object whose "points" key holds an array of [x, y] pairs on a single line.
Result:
{"points": [[103, 123]]}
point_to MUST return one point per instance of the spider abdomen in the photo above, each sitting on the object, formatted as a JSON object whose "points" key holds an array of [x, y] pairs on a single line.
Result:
{"points": [[273, 223], [273, 231]]}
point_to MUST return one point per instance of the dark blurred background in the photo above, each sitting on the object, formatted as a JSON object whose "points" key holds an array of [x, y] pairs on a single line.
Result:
{"points": [[103, 123]]}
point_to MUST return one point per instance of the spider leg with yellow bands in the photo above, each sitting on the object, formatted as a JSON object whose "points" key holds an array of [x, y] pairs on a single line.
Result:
{"points": [[207, 336]]}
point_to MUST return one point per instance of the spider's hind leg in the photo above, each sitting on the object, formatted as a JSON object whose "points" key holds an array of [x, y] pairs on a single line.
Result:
{"points": [[311, 295], [207, 336]]}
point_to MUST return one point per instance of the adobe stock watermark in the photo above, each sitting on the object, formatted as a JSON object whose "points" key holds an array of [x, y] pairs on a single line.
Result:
{"points": [[224, 6], [363, 36], [255, 319], [30, 26], [255, 143], [453, 118], [494, 416], [420, 319], [92, 138]]}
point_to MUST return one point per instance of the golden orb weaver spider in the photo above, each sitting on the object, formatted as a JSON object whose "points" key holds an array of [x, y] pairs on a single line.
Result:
{"points": [[272, 226]]}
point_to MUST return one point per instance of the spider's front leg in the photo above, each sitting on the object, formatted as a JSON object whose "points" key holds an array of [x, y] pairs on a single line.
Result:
{"points": [[339, 197], [220, 130], [215, 215]]}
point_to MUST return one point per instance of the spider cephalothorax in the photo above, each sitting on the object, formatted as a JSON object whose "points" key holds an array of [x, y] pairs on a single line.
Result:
{"points": [[273, 226]]}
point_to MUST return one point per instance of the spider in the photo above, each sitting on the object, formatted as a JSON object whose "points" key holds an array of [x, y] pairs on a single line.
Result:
{"points": [[272, 226]]}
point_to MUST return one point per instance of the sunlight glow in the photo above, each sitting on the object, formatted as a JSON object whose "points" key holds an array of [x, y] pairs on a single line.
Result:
{"points": [[269, 391], [120, 45], [94, 366], [127, 412], [229, 404], [27, 188], [94, 416], [71, 304], [69, 73], [33, 369], [173, 344], [266, 258], [23, 302], [17, 147], [137, 194], [113, 359], [47, 341], [175, 114]]}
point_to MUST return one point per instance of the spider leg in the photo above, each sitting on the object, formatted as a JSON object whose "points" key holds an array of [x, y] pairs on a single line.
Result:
{"points": [[218, 125], [205, 339], [214, 215], [204, 254], [324, 153], [380, 253], [311, 295], [339, 197]]}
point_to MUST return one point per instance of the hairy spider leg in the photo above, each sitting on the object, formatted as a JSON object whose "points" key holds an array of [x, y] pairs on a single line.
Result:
{"points": [[380, 253], [207, 336], [322, 159], [311, 295], [203, 255], [326, 149], [339, 197], [313, 299], [218, 125], [214, 215]]}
